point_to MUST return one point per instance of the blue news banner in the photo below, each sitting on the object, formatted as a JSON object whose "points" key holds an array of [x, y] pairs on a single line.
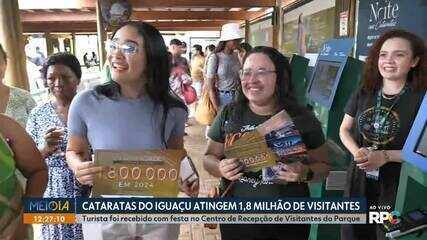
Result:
{"points": [[198, 210]]}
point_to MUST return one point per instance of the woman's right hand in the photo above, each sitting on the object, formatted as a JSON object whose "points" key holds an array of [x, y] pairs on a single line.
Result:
{"points": [[85, 172], [361, 155], [231, 168], [52, 139]]}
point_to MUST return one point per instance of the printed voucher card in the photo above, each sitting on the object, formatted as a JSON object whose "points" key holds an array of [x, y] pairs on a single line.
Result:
{"points": [[251, 149], [272, 144]]}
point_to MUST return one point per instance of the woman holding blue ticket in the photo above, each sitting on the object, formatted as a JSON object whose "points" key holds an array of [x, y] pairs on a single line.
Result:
{"points": [[380, 116], [133, 111], [265, 95]]}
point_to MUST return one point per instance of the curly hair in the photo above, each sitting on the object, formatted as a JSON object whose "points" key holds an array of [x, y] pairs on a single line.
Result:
{"points": [[417, 76]]}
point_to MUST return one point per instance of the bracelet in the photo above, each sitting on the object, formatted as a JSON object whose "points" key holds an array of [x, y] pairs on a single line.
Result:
{"points": [[386, 156]]}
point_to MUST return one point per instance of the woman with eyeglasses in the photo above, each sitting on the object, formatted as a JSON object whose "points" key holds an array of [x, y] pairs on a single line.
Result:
{"points": [[378, 119], [48, 126], [265, 90], [133, 111]]}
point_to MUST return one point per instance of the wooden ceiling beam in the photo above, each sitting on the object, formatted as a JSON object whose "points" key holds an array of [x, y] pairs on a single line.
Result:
{"points": [[26, 4], [40, 16], [213, 15], [29, 27], [202, 3]]}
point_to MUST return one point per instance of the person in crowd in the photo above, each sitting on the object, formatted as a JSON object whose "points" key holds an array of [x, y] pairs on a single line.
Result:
{"points": [[175, 48], [183, 48], [197, 63], [38, 58], [150, 116], [48, 126], [86, 60], [266, 90], [222, 76], [209, 49], [243, 50], [180, 71], [91, 60], [14, 102], [17, 151], [377, 121]]}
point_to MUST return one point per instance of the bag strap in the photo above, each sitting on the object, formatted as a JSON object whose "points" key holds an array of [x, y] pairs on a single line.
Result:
{"points": [[228, 188], [217, 63]]}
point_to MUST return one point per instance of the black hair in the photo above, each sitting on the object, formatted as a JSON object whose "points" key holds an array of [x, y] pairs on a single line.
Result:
{"points": [[3, 53], [183, 44], [284, 90], [175, 42], [199, 49], [246, 46], [157, 72], [220, 47], [210, 47], [63, 58]]}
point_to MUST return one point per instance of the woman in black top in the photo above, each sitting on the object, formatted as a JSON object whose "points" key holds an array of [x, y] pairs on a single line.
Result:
{"points": [[378, 119], [265, 90]]}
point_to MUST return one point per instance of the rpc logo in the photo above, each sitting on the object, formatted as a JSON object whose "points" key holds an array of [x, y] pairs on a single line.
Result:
{"points": [[380, 217]]}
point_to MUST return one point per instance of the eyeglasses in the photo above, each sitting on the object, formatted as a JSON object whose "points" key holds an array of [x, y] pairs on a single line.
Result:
{"points": [[260, 73], [127, 48]]}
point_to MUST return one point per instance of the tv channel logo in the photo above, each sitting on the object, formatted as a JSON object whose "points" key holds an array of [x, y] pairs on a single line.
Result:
{"points": [[381, 217], [48, 205]]}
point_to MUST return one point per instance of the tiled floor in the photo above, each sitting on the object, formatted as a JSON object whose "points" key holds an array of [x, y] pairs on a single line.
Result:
{"points": [[195, 144]]}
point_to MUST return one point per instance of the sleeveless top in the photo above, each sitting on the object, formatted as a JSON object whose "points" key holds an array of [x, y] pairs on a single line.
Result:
{"points": [[10, 192]]}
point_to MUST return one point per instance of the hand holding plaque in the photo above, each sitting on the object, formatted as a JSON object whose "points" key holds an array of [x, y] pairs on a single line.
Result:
{"points": [[153, 173]]}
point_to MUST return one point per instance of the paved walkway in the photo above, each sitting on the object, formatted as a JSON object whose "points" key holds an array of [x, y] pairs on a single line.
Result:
{"points": [[195, 144]]}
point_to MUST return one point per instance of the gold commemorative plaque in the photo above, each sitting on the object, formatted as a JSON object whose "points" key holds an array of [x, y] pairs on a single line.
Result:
{"points": [[148, 173]]}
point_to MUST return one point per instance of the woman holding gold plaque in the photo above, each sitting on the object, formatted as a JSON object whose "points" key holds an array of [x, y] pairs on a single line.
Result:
{"points": [[133, 111], [262, 116]]}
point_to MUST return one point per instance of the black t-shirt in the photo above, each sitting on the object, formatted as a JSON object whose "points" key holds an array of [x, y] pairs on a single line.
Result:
{"points": [[251, 184], [390, 134]]}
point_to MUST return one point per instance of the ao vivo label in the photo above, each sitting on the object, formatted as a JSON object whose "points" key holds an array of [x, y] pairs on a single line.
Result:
{"points": [[380, 217]]}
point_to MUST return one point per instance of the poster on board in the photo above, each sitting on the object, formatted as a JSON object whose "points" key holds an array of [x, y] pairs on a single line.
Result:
{"points": [[378, 16]]}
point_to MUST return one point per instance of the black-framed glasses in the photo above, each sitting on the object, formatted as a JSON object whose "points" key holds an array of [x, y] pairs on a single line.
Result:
{"points": [[260, 73], [127, 48]]}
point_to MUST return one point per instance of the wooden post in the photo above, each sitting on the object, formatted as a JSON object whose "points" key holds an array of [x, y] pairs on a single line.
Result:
{"points": [[247, 33], [280, 25], [277, 24], [73, 43], [102, 36], [49, 45], [13, 43]]}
